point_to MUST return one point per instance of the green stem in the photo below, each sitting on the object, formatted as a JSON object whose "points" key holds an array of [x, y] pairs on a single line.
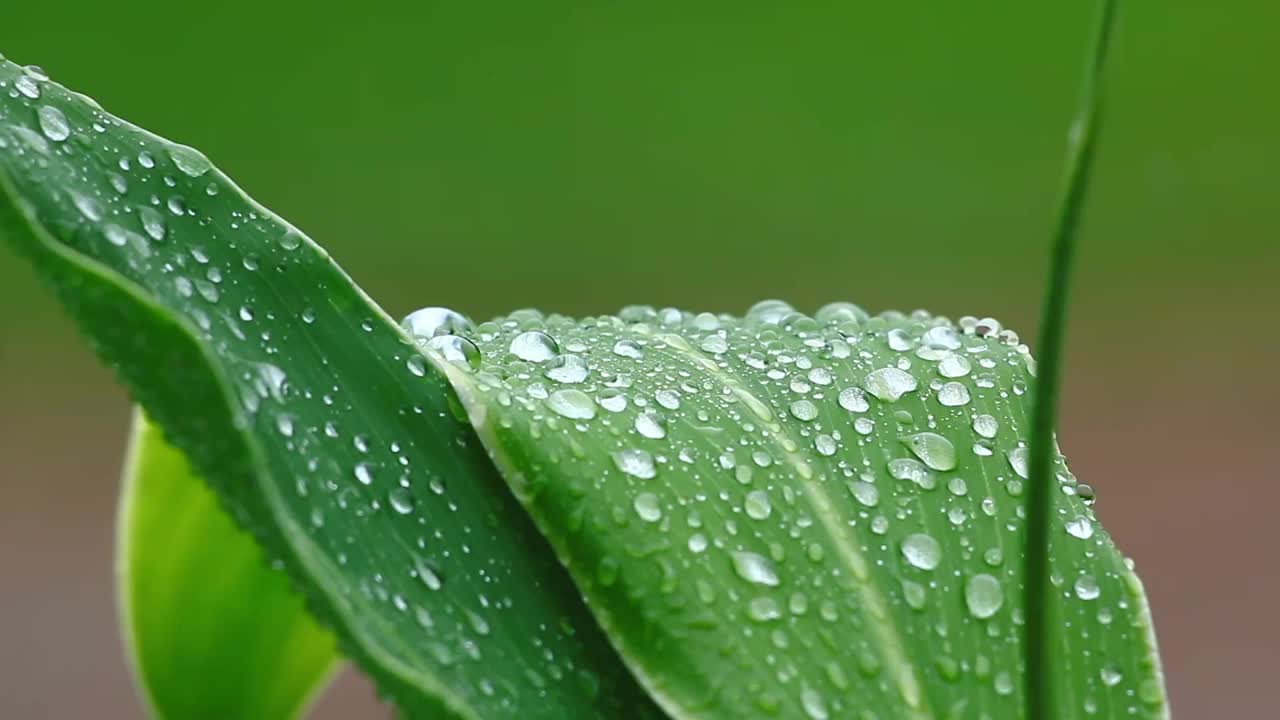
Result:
{"points": [[1039, 645]]}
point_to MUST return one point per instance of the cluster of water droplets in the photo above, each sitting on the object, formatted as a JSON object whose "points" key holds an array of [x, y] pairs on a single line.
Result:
{"points": [[820, 460], [406, 545]]}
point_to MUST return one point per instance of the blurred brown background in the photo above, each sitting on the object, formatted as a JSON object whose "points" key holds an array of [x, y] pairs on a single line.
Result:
{"points": [[578, 156]]}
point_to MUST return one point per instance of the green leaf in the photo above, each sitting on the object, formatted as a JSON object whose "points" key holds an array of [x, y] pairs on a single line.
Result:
{"points": [[807, 517], [198, 602], [307, 410]]}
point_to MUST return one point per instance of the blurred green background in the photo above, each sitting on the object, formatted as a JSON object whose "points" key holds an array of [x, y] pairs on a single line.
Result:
{"points": [[579, 156]]}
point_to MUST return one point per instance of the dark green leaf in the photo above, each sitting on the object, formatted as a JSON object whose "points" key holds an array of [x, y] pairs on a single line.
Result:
{"points": [[807, 517], [308, 411]]}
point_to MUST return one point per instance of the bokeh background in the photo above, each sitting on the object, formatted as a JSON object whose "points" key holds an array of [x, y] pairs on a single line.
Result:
{"points": [[578, 156]]}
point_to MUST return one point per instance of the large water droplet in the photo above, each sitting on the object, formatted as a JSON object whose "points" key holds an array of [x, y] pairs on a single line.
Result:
{"points": [[647, 507], [1080, 527], [636, 463], [457, 350], [573, 404], [1087, 588], [432, 321], [568, 369], [854, 399], [757, 505], [1018, 461], [650, 425], [53, 123], [889, 383], [189, 161], [984, 595], [986, 426], [936, 451], [534, 346], [953, 394], [921, 551], [754, 568]]}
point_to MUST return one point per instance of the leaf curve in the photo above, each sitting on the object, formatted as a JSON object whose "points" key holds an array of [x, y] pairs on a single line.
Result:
{"points": [[198, 602], [307, 410], [806, 517]]}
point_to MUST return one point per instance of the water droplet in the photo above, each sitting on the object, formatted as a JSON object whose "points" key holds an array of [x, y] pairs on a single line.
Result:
{"points": [[27, 86], [628, 349], [636, 463], [364, 473], [889, 383], [457, 350], [865, 492], [1018, 461], [152, 223], [53, 123], [1111, 675], [647, 507], [612, 400], [568, 369], [854, 399], [573, 404], [401, 500], [291, 240], [432, 321], [953, 394], [534, 346], [1087, 588], [1080, 527], [764, 609], [757, 505], [813, 703], [189, 160], [986, 426], [954, 366], [754, 568], [804, 410], [650, 425], [936, 451], [668, 399], [983, 595], [921, 551]]}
